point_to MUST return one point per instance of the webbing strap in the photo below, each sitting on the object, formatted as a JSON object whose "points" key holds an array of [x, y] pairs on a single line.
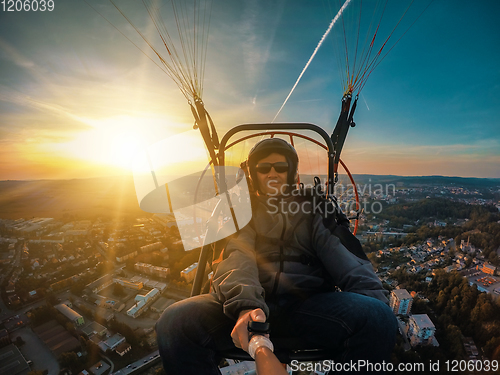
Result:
{"points": [[303, 258]]}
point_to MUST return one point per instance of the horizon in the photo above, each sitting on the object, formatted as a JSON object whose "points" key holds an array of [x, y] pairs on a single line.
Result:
{"points": [[307, 174], [77, 99]]}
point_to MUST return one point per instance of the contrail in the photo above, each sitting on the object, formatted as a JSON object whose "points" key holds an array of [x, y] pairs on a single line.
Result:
{"points": [[365, 101], [314, 53]]}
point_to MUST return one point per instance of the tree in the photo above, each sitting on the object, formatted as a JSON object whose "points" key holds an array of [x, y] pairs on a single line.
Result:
{"points": [[454, 338], [160, 371], [51, 298], [78, 287], [125, 330], [69, 360], [69, 327], [92, 352], [118, 290], [492, 348]]}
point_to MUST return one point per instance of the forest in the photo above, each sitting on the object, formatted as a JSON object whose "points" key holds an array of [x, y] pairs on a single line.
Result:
{"points": [[457, 310]]}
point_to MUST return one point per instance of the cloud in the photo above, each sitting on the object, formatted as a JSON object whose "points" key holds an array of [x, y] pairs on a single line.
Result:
{"points": [[257, 30]]}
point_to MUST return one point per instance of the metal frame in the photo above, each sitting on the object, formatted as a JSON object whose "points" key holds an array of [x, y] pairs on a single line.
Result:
{"points": [[271, 129]]}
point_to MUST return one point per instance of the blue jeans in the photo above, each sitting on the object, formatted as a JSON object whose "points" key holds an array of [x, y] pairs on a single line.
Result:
{"points": [[352, 326]]}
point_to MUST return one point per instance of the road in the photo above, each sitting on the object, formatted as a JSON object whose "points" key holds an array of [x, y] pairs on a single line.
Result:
{"points": [[112, 368], [139, 366], [5, 312]]}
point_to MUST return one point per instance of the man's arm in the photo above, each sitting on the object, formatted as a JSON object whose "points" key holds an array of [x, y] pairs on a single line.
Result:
{"points": [[265, 360], [240, 330], [236, 281], [349, 272]]}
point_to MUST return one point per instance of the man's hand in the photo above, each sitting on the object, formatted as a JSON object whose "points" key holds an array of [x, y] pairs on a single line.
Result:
{"points": [[240, 330]]}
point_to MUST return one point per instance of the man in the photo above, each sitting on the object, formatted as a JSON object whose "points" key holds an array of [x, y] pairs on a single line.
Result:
{"points": [[282, 268]]}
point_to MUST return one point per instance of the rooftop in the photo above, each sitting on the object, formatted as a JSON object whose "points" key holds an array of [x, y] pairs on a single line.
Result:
{"points": [[67, 312], [12, 361], [401, 294], [423, 321]]}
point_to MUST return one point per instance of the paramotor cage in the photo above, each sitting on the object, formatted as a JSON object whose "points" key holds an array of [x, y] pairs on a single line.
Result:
{"points": [[270, 130]]}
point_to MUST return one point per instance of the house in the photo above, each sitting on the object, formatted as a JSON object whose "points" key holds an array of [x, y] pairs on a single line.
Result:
{"points": [[71, 314], [189, 272], [94, 328], [123, 348], [400, 302], [113, 342], [99, 368], [421, 330]]}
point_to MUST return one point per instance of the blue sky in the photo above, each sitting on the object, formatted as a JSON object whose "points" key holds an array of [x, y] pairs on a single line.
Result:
{"points": [[74, 93]]}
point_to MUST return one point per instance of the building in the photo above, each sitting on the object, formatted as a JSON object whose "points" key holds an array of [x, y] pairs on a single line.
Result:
{"points": [[471, 351], [12, 361], [72, 233], [156, 284], [400, 302], [189, 272], [94, 328], [71, 314], [136, 309], [112, 342], [129, 284], [99, 368], [101, 283], [4, 338], [102, 314], [152, 247], [57, 338], [421, 330], [124, 257], [166, 220], [149, 296], [123, 348], [152, 270], [35, 225], [142, 301], [161, 304]]}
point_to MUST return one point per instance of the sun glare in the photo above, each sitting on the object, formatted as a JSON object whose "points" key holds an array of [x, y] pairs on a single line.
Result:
{"points": [[115, 141], [123, 147]]}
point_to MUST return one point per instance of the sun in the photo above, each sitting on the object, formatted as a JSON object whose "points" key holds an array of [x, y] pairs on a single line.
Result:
{"points": [[115, 141], [123, 147]]}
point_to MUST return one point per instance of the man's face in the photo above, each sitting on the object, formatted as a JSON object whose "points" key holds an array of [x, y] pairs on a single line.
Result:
{"points": [[272, 181]]}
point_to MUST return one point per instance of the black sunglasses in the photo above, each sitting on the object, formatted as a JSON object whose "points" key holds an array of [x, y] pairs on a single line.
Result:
{"points": [[279, 167]]}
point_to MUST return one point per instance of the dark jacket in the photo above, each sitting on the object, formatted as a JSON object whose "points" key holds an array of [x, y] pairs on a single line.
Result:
{"points": [[287, 250]]}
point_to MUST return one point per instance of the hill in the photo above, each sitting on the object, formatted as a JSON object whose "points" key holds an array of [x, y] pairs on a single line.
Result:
{"points": [[412, 181], [111, 196], [79, 198]]}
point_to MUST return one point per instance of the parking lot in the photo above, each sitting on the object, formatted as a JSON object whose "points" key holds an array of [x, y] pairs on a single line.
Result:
{"points": [[485, 283]]}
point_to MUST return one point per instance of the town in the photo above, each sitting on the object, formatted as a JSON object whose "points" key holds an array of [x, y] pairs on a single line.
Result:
{"points": [[82, 295]]}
